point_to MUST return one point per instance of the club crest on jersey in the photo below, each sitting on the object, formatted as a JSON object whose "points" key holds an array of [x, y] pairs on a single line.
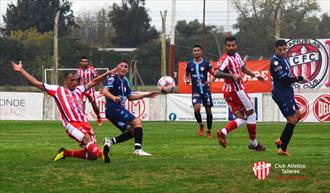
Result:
{"points": [[308, 58], [276, 63], [202, 68]]}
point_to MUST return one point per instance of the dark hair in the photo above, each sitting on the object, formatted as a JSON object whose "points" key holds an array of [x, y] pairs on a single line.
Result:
{"points": [[197, 46], [280, 43], [68, 73], [230, 39], [83, 57]]}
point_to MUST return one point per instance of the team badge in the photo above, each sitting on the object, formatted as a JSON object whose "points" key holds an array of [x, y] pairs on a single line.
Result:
{"points": [[202, 68], [276, 63], [261, 169]]}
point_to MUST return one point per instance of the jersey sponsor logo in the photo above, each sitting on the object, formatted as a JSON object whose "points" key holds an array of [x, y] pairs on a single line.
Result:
{"points": [[304, 107], [321, 108], [308, 58], [261, 169]]}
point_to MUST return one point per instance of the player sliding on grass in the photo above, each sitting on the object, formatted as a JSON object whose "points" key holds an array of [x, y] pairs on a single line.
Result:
{"points": [[70, 105], [196, 75], [230, 67], [283, 94], [116, 90]]}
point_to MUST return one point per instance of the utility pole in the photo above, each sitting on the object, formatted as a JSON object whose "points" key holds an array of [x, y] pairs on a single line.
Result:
{"points": [[172, 41], [163, 58], [277, 24], [56, 48], [228, 16], [203, 30]]}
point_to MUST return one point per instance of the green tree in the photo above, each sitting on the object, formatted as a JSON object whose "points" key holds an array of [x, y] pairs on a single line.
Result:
{"points": [[131, 24], [39, 14]]}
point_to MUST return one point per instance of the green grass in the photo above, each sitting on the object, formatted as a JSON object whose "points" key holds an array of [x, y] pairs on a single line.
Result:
{"points": [[181, 161]]}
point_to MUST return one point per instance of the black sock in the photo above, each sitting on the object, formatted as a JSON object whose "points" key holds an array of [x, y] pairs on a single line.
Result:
{"points": [[138, 134], [198, 117], [209, 118], [121, 138], [286, 135]]}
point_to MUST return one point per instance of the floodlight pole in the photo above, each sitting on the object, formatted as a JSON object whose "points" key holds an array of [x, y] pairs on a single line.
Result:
{"points": [[56, 48], [163, 56], [172, 41]]}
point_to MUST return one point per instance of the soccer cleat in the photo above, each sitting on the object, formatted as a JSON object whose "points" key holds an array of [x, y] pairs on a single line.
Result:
{"points": [[106, 149], [278, 143], [60, 154], [99, 121], [222, 139], [258, 147], [281, 152], [201, 130], [140, 152], [209, 134]]}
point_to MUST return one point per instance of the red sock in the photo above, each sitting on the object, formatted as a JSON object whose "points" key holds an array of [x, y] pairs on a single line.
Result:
{"points": [[94, 150], [231, 126], [82, 154], [252, 130]]}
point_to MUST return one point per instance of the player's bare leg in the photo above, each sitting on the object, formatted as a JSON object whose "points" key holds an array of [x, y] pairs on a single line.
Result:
{"points": [[209, 118], [198, 117]]}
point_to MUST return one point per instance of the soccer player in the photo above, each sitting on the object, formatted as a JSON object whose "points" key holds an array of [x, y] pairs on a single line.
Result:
{"points": [[196, 74], [69, 104], [117, 90], [283, 94], [87, 73], [230, 67]]}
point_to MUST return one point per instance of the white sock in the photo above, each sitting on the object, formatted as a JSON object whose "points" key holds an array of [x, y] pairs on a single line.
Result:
{"points": [[224, 131], [254, 142]]}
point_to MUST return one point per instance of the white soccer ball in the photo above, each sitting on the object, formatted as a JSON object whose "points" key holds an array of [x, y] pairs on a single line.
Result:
{"points": [[166, 84]]}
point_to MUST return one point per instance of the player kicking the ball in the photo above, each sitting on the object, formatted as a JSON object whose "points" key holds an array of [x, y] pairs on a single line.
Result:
{"points": [[283, 94], [117, 90], [230, 67], [70, 105]]}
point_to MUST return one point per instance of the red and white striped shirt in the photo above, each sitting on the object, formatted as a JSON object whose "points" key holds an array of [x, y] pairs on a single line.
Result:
{"points": [[232, 65], [86, 75], [68, 102]]}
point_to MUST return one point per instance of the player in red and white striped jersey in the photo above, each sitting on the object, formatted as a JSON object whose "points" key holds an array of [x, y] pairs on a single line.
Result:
{"points": [[69, 102], [230, 67], [87, 73]]}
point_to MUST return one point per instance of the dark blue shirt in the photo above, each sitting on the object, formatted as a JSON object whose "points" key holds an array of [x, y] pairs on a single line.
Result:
{"points": [[198, 73], [280, 68], [118, 87]]}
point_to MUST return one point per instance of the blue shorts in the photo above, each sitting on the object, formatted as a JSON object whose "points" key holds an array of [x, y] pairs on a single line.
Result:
{"points": [[205, 99], [119, 116], [287, 104]]}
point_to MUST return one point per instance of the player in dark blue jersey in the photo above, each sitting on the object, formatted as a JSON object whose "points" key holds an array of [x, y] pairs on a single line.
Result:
{"points": [[283, 94], [117, 90], [196, 75]]}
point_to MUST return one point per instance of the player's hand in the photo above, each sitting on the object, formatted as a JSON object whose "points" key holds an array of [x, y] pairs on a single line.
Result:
{"points": [[262, 79], [116, 99], [236, 77], [17, 67], [114, 70]]}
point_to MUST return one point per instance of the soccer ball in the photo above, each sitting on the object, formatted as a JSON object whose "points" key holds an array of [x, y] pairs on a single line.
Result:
{"points": [[166, 84]]}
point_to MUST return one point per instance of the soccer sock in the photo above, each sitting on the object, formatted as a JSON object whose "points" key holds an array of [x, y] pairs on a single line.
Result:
{"points": [[198, 117], [138, 134], [233, 125], [286, 135], [82, 154], [209, 118], [121, 138], [93, 149], [252, 128]]}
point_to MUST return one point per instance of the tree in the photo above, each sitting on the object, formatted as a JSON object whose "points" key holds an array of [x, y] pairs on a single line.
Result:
{"points": [[131, 24], [258, 21], [39, 14]]}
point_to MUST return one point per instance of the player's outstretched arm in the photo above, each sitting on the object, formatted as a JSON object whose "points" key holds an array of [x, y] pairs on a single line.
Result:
{"points": [[220, 74], [134, 97], [19, 68], [247, 71], [98, 79]]}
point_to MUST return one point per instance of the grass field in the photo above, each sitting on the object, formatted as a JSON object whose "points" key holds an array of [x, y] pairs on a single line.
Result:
{"points": [[181, 162]]}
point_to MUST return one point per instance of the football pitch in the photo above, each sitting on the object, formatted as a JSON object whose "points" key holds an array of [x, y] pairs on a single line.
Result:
{"points": [[181, 161]]}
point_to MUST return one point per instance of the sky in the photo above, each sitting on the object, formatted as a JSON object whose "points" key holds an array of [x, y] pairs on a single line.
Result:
{"points": [[185, 10]]}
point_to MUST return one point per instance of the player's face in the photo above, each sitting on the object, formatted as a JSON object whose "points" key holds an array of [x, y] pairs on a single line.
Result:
{"points": [[84, 63], [71, 81], [123, 68], [231, 47], [281, 51], [197, 52]]}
